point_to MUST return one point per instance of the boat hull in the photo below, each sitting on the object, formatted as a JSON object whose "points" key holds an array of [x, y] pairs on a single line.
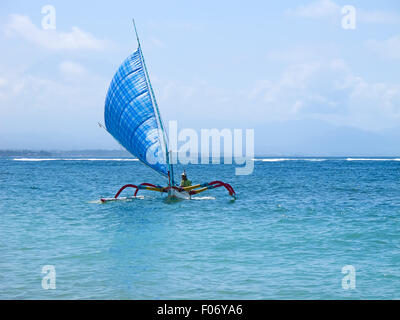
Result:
{"points": [[174, 194]]}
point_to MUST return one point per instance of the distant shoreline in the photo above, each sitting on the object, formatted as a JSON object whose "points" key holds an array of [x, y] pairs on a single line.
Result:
{"points": [[60, 153]]}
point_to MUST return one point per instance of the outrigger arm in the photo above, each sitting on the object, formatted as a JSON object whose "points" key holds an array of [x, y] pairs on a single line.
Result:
{"points": [[198, 188]]}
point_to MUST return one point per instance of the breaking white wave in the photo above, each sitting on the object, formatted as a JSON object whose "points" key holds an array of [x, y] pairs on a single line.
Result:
{"points": [[203, 198], [32, 159], [288, 159], [324, 159], [73, 159], [372, 159]]}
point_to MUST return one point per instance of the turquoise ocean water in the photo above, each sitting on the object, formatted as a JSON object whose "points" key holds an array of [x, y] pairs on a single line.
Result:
{"points": [[295, 225]]}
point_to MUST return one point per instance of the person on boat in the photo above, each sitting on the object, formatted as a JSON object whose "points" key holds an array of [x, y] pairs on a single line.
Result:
{"points": [[185, 182]]}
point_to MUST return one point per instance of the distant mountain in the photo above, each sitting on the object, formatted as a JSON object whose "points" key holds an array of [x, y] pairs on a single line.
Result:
{"points": [[72, 153], [24, 153], [92, 153], [319, 138]]}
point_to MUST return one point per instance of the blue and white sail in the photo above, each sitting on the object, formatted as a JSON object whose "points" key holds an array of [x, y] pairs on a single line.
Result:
{"points": [[132, 116]]}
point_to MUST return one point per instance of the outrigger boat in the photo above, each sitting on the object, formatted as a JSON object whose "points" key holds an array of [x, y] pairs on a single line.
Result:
{"points": [[133, 118]]}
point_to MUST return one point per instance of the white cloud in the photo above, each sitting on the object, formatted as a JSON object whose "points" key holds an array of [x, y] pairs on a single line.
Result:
{"points": [[36, 112], [32, 93], [303, 53], [317, 9], [22, 26], [71, 69], [329, 9], [157, 42], [327, 90], [296, 55], [45, 112], [374, 100], [291, 94], [3, 87], [296, 76], [380, 17], [389, 48], [3, 82]]}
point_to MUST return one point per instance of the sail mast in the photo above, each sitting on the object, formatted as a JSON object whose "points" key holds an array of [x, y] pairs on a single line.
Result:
{"points": [[137, 36], [164, 136]]}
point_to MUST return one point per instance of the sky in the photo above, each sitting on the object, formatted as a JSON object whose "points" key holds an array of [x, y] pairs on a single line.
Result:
{"points": [[287, 69]]}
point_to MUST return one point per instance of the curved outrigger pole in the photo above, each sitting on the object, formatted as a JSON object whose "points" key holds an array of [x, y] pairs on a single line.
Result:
{"points": [[198, 188]]}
